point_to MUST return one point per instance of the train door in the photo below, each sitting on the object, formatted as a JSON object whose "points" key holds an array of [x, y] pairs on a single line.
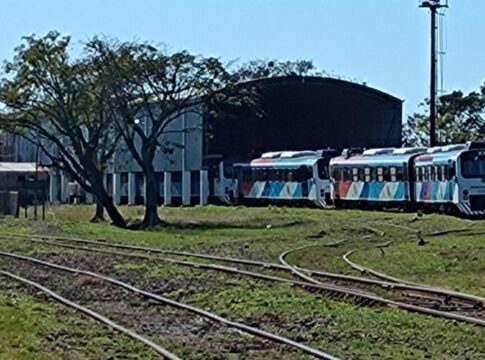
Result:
{"points": [[323, 182]]}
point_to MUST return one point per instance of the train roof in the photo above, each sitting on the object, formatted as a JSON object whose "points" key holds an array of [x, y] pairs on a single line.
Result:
{"points": [[438, 157], [399, 156], [391, 159], [284, 159], [445, 154]]}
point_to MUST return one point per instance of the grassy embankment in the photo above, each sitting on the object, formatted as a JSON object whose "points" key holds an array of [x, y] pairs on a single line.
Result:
{"points": [[455, 261]]}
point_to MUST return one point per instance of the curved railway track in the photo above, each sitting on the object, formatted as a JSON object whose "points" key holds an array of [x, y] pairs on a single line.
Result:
{"points": [[93, 315], [418, 290], [476, 303], [166, 301]]}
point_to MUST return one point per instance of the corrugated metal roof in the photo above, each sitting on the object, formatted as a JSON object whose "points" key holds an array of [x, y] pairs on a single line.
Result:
{"points": [[20, 167]]}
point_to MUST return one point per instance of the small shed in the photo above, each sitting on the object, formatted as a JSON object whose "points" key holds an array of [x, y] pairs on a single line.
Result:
{"points": [[14, 176]]}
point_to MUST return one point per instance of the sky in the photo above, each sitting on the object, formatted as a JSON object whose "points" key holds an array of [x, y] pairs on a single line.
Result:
{"points": [[384, 43]]}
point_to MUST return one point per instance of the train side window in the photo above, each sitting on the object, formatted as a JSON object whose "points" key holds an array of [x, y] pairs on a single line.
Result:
{"points": [[348, 174], [271, 175], [344, 174], [399, 174], [361, 174], [393, 174], [264, 175], [367, 172], [336, 173], [355, 174], [387, 174], [373, 174], [341, 174], [304, 173], [380, 174], [439, 173]]}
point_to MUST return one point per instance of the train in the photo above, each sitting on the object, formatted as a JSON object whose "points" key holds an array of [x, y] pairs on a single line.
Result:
{"points": [[447, 179]]}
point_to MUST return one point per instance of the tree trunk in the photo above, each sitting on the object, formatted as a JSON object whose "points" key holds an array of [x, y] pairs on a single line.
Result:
{"points": [[113, 212], [95, 178], [105, 201], [151, 217], [99, 215]]}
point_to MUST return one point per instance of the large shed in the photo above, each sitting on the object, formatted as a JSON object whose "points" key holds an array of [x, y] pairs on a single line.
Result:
{"points": [[308, 113]]}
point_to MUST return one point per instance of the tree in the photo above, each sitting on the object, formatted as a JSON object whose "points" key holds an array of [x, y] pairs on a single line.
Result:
{"points": [[59, 105], [257, 69], [460, 118], [156, 86]]}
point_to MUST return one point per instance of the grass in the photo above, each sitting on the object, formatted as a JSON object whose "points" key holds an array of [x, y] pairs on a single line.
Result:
{"points": [[454, 261], [33, 328]]}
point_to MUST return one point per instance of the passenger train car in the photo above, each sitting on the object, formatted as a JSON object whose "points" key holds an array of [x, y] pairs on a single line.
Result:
{"points": [[449, 178], [452, 177], [285, 177], [373, 178]]}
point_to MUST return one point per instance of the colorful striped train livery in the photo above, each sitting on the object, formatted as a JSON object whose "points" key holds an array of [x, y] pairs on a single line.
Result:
{"points": [[285, 177], [447, 178]]}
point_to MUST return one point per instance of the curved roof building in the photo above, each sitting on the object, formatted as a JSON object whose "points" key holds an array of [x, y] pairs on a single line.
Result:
{"points": [[308, 113]]}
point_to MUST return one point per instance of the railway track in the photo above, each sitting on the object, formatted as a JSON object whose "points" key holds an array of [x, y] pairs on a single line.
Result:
{"points": [[92, 314], [436, 298], [392, 283], [254, 331]]}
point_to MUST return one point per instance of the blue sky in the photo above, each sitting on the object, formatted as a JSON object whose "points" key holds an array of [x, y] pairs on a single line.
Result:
{"points": [[384, 43]]}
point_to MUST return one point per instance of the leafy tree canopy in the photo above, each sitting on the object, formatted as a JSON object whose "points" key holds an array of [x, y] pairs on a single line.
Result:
{"points": [[460, 118]]}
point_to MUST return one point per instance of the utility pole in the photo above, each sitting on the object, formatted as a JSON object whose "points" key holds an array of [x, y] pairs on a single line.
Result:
{"points": [[433, 6]]}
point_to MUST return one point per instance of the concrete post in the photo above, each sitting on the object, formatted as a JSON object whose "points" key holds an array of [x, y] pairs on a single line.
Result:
{"points": [[64, 189], [131, 188], [167, 188], [117, 188], [53, 188], [186, 188], [204, 187]]}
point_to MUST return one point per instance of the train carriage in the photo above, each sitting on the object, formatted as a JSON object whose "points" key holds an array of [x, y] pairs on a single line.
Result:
{"points": [[452, 177], [373, 177], [285, 177], [447, 178]]}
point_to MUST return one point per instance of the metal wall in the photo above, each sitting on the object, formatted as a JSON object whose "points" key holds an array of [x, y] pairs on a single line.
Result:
{"points": [[181, 141], [308, 113]]}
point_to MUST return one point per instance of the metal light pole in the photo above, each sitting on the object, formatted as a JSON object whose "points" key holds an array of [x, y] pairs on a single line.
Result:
{"points": [[433, 6]]}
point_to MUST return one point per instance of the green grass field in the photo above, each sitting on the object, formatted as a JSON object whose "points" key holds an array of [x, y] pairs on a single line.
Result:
{"points": [[455, 261]]}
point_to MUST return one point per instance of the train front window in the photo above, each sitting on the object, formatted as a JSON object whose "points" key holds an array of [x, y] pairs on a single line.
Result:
{"points": [[473, 164]]}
